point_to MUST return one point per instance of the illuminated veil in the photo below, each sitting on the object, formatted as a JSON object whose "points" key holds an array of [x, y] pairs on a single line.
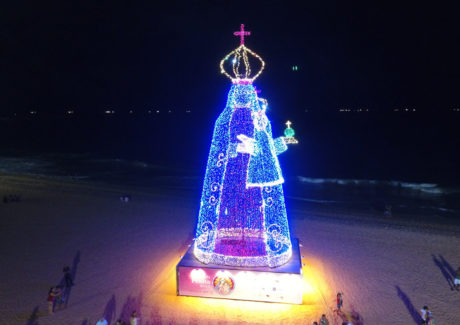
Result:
{"points": [[242, 219]]}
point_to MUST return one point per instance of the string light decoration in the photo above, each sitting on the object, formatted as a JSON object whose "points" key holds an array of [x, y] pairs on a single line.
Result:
{"points": [[289, 134], [240, 63], [242, 219]]}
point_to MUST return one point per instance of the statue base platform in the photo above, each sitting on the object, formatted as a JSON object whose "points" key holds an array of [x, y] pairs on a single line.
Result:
{"points": [[280, 284]]}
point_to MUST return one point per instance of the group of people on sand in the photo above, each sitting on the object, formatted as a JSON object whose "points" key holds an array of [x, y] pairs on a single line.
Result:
{"points": [[57, 294], [323, 320], [56, 298], [133, 320], [426, 315], [425, 312], [349, 318]]}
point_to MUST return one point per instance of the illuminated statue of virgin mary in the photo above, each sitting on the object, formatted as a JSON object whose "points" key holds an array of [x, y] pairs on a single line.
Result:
{"points": [[242, 219]]}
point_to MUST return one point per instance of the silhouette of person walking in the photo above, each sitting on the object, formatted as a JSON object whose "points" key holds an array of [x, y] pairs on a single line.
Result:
{"points": [[67, 277]]}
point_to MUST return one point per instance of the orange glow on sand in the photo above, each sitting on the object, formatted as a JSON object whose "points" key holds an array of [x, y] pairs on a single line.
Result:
{"points": [[162, 299]]}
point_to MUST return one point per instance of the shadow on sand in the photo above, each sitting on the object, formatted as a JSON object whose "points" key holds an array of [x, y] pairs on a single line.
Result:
{"points": [[155, 317], [445, 268], [110, 310], [33, 317], [131, 304], [351, 317], [73, 273], [410, 307], [356, 318]]}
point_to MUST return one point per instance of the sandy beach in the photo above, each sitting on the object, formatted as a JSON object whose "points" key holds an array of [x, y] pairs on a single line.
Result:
{"points": [[123, 258]]}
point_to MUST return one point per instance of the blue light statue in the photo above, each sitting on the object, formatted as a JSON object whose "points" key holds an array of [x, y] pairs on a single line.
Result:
{"points": [[242, 219]]}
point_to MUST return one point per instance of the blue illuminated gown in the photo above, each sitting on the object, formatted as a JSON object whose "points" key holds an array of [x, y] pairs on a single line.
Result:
{"points": [[242, 219]]}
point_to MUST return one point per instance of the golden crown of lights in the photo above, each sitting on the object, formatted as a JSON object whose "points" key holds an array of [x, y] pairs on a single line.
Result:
{"points": [[241, 69]]}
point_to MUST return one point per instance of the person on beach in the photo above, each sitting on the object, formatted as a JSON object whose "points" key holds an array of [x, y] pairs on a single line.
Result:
{"points": [[457, 279], [426, 315], [339, 301], [59, 299], [67, 277], [323, 320], [51, 298], [102, 321], [134, 320]]}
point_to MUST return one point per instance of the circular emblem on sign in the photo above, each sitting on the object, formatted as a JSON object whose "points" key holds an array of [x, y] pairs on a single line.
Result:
{"points": [[223, 283]]}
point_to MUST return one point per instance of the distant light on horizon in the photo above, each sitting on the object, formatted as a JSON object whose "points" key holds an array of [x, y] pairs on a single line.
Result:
{"points": [[405, 109], [187, 110], [357, 110]]}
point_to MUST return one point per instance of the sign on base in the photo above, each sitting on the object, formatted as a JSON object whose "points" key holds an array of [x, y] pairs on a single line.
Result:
{"points": [[280, 284]]}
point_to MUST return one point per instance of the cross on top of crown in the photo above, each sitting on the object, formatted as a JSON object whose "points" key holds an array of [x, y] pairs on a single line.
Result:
{"points": [[242, 33], [240, 71]]}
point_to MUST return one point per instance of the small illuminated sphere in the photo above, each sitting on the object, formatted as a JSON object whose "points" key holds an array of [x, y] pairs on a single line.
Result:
{"points": [[289, 132]]}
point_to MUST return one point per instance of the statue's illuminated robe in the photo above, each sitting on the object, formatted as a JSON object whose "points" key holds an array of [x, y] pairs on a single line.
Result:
{"points": [[242, 218]]}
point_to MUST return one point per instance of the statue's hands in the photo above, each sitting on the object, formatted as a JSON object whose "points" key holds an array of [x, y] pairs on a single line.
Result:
{"points": [[247, 144]]}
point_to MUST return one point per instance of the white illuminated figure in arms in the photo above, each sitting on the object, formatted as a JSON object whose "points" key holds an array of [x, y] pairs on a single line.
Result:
{"points": [[242, 219]]}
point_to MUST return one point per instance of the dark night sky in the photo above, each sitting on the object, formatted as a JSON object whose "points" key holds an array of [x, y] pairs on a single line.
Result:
{"points": [[88, 55], [94, 55]]}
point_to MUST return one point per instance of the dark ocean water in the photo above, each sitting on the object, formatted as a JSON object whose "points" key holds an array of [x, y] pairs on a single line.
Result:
{"points": [[413, 147], [361, 161], [334, 194]]}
